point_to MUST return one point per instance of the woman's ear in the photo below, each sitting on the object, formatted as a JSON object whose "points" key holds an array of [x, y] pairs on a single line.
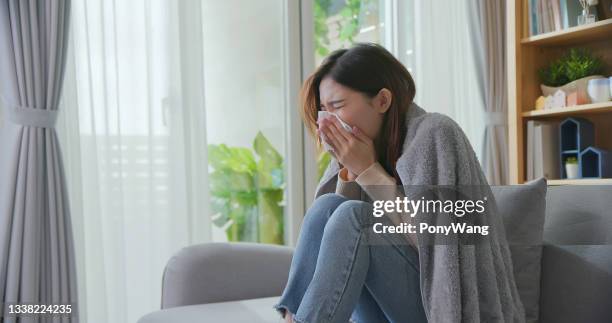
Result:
{"points": [[382, 100]]}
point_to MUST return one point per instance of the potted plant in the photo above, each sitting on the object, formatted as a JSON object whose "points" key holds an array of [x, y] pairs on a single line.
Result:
{"points": [[571, 167], [247, 193], [571, 74]]}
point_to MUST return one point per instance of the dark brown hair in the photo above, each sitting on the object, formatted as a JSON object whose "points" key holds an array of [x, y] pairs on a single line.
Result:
{"points": [[365, 68]]}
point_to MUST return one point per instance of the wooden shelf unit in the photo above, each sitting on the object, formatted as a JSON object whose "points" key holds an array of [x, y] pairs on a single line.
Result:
{"points": [[525, 56]]}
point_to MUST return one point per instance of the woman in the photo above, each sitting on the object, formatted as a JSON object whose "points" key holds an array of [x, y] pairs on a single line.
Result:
{"points": [[340, 271]]}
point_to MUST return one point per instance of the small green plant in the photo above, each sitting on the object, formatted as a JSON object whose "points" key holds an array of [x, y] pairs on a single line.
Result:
{"points": [[574, 65], [571, 160], [554, 75], [247, 192]]}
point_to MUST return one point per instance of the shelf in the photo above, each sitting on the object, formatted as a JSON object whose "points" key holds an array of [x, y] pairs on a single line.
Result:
{"points": [[580, 181], [603, 107], [525, 55], [599, 30]]}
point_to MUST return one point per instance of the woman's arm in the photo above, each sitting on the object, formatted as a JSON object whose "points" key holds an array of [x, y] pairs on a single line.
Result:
{"points": [[379, 185]]}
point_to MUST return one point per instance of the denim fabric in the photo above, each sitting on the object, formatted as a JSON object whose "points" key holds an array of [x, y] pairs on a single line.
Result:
{"points": [[337, 272]]}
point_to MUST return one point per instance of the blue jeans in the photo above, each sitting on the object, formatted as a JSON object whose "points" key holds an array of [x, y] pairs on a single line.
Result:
{"points": [[337, 272]]}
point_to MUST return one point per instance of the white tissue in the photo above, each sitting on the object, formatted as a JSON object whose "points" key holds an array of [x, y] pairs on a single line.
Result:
{"points": [[324, 115]]}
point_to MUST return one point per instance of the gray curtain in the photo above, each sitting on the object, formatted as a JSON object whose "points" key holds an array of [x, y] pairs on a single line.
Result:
{"points": [[37, 260], [488, 29]]}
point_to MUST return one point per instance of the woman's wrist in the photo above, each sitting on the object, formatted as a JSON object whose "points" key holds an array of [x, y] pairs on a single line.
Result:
{"points": [[364, 169], [375, 175], [344, 175], [347, 175], [350, 176]]}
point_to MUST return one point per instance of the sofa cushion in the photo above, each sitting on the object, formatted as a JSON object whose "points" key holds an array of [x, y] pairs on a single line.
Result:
{"points": [[256, 310], [577, 255], [221, 272], [522, 208]]}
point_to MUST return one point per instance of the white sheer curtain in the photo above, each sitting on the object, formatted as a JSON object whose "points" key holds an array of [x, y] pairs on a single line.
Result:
{"points": [[134, 147], [444, 67]]}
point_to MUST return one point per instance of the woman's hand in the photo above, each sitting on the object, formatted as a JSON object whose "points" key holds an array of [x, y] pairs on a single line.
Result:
{"points": [[353, 149]]}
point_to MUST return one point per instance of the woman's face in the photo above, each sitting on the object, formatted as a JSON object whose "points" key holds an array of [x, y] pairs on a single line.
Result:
{"points": [[355, 108]]}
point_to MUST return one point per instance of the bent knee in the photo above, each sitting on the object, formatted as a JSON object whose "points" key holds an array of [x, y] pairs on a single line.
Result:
{"points": [[328, 201], [322, 208], [351, 212]]}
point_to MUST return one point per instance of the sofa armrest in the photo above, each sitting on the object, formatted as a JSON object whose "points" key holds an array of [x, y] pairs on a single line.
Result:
{"points": [[219, 272]]}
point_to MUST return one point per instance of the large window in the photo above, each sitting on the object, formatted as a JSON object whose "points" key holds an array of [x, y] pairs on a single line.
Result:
{"points": [[245, 118], [173, 132]]}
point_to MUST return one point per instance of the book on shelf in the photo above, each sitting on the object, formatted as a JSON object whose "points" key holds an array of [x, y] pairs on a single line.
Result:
{"points": [[556, 12], [542, 149]]}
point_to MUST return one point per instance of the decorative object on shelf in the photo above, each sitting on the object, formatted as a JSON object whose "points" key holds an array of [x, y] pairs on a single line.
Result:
{"points": [[595, 163], [572, 99], [599, 90], [571, 167], [539, 105], [559, 99], [571, 74], [587, 17], [548, 102], [576, 90], [575, 134]]}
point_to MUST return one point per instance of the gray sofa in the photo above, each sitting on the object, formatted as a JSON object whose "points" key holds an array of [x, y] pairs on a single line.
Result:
{"points": [[239, 282]]}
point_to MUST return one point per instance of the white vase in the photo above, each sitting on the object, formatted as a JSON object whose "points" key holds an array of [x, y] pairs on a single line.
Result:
{"points": [[571, 170], [599, 90], [579, 85]]}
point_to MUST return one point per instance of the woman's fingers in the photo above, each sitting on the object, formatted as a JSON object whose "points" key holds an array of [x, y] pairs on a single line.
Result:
{"points": [[324, 134], [337, 136], [360, 135], [340, 130], [332, 134]]}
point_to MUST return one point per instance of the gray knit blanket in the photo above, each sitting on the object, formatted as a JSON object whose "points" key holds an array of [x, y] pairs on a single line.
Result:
{"points": [[468, 283]]}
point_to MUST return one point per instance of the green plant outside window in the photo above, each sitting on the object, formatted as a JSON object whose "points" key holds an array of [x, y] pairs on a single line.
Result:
{"points": [[247, 193]]}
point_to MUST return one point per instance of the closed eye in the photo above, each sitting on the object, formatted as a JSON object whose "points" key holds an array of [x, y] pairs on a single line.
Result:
{"points": [[336, 104], [322, 108]]}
